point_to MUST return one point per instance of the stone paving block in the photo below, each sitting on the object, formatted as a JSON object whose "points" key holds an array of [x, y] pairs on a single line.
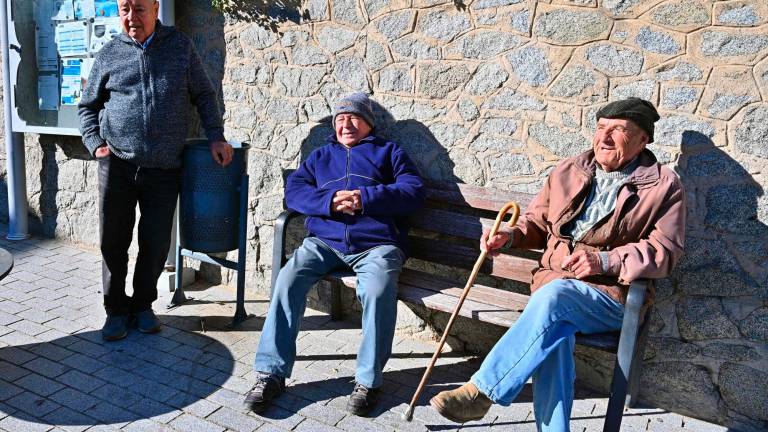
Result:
{"points": [[38, 384], [195, 387], [5, 330], [193, 404], [32, 404], [16, 355], [109, 413], [69, 420], [268, 427], [8, 390], [17, 338], [40, 304], [83, 364], [692, 424], [75, 399], [36, 316], [11, 372], [12, 307], [48, 288], [309, 425], [16, 295], [29, 327], [13, 424], [234, 420], [227, 398], [354, 423], [46, 368], [188, 423], [64, 325], [115, 376], [281, 417], [146, 425], [6, 318], [80, 381], [26, 276]]}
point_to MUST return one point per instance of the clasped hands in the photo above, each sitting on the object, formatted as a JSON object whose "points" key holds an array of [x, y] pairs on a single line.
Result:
{"points": [[581, 263], [347, 202]]}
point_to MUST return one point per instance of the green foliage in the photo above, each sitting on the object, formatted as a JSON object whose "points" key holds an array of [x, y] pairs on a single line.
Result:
{"points": [[268, 14]]}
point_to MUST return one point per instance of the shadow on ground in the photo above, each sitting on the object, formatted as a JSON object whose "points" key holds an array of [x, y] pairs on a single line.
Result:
{"points": [[80, 380]]}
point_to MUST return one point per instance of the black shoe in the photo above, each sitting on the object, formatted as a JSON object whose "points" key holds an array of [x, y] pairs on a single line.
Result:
{"points": [[115, 328], [267, 387], [146, 321], [362, 400]]}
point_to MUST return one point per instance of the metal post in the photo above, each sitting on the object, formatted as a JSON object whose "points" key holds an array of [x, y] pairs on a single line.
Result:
{"points": [[14, 145], [168, 17], [240, 313]]}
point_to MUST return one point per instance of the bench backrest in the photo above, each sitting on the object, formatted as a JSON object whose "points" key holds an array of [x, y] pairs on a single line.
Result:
{"points": [[447, 230]]}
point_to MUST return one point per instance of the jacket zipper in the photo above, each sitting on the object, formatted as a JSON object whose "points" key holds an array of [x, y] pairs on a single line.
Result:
{"points": [[149, 93], [346, 187]]}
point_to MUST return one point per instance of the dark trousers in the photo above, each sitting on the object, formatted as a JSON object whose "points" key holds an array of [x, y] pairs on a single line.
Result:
{"points": [[121, 186]]}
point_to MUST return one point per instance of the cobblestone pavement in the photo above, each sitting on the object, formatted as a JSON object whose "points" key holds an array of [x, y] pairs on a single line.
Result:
{"points": [[57, 374]]}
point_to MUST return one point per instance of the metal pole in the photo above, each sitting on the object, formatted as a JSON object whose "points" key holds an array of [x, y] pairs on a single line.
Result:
{"points": [[168, 17], [14, 146], [167, 12]]}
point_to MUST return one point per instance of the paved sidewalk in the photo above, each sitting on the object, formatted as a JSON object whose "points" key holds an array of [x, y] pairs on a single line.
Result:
{"points": [[57, 374]]}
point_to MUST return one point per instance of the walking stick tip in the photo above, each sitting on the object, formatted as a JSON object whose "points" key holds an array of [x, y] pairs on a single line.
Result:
{"points": [[408, 414]]}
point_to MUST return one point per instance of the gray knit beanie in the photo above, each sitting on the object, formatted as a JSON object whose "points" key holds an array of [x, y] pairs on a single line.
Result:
{"points": [[356, 103], [640, 111]]}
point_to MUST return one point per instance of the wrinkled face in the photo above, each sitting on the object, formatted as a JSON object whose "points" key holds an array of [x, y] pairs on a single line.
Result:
{"points": [[138, 17], [616, 142], [351, 128]]}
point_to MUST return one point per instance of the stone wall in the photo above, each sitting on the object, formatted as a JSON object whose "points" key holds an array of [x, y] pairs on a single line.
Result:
{"points": [[495, 93]]}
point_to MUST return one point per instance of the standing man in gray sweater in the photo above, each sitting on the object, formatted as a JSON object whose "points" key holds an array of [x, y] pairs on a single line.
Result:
{"points": [[133, 118]]}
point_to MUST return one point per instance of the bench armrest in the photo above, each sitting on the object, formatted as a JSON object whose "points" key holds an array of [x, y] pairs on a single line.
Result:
{"points": [[278, 245]]}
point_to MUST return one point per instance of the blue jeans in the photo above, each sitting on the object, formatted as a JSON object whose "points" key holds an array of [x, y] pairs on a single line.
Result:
{"points": [[377, 271], [540, 345]]}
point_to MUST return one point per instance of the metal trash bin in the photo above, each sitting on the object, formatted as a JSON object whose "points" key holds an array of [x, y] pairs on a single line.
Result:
{"points": [[209, 214]]}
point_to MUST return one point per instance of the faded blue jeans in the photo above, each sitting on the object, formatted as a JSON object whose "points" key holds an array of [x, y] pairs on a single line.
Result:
{"points": [[540, 345], [377, 271]]}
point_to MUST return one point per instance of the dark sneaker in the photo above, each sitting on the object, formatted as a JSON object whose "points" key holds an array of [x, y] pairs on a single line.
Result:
{"points": [[115, 328], [362, 400], [146, 321], [267, 387]]}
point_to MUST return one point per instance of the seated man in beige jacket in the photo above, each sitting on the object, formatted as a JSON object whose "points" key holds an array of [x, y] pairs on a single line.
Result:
{"points": [[604, 218]]}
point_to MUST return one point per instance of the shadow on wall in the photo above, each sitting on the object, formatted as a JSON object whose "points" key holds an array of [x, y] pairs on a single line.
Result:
{"points": [[723, 272], [267, 14]]}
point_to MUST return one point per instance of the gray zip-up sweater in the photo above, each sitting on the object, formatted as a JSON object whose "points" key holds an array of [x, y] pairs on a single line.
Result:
{"points": [[137, 100]]}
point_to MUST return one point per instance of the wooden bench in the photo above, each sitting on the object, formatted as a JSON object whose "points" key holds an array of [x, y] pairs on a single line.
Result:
{"points": [[447, 232]]}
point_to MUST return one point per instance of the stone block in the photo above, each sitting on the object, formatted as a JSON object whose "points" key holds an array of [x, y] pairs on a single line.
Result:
{"points": [[317, 10], [282, 111], [308, 55], [510, 165], [686, 15], [467, 168], [486, 4], [376, 54], [482, 44], [395, 79], [657, 41], [396, 24], [414, 48], [559, 141], [336, 38], [680, 97], [316, 109], [665, 349], [737, 46], [255, 38], [714, 163], [622, 7], [614, 60], [743, 390], [755, 326], [703, 318], [496, 143], [444, 24], [580, 85], [531, 64], [487, 78], [749, 130], [293, 37], [688, 131], [448, 134], [733, 208], [298, 81], [352, 72], [439, 79], [731, 88], [468, 110], [680, 71], [744, 13], [510, 100], [498, 125], [347, 12], [570, 26], [730, 351], [632, 87], [685, 386]]}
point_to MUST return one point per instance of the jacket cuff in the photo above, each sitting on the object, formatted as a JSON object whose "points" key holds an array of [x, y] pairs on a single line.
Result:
{"points": [[92, 143], [215, 135], [612, 266], [514, 238]]}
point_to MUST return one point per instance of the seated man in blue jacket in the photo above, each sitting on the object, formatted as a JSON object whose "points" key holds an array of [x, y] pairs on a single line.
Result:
{"points": [[356, 192]]}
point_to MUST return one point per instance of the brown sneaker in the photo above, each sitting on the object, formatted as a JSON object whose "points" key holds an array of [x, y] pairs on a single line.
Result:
{"points": [[463, 404]]}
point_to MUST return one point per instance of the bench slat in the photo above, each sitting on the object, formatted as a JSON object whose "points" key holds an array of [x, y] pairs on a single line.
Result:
{"points": [[447, 222], [474, 196], [503, 265]]}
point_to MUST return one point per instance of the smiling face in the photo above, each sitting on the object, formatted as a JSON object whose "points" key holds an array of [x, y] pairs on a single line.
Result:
{"points": [[138, 17], [350, 129], [616, 142]]}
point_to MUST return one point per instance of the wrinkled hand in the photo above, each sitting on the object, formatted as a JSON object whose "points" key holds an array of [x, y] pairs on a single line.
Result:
{"points": [[102, 152], [347, 202], [491, 245], [222, 152], [582, 264]]}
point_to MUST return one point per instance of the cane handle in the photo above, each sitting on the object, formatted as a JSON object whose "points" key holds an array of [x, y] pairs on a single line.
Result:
{"points": [[500, 217]]}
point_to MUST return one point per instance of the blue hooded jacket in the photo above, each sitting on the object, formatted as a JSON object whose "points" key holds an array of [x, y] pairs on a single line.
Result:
{"points": [[390, 188]]}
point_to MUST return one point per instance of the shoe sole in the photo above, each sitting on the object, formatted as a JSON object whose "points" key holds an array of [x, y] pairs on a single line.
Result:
{"points": [[115, 338], [359, 411], [443, 412], [152, 330], [257, 408]]}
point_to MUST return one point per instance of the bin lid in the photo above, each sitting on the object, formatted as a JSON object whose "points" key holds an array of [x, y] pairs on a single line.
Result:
{"points": [[203, 142]]}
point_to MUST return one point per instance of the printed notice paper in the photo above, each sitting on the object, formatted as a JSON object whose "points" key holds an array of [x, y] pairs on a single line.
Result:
{"points": [[103, 31], [48, 92], [71, 89], [72, 38]]}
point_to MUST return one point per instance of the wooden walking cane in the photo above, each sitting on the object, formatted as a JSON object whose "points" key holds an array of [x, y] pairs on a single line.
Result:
{"points": [[408, 414]]}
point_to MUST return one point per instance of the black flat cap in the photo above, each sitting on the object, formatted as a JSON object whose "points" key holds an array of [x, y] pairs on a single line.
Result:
{"points": [[640, 111]]}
